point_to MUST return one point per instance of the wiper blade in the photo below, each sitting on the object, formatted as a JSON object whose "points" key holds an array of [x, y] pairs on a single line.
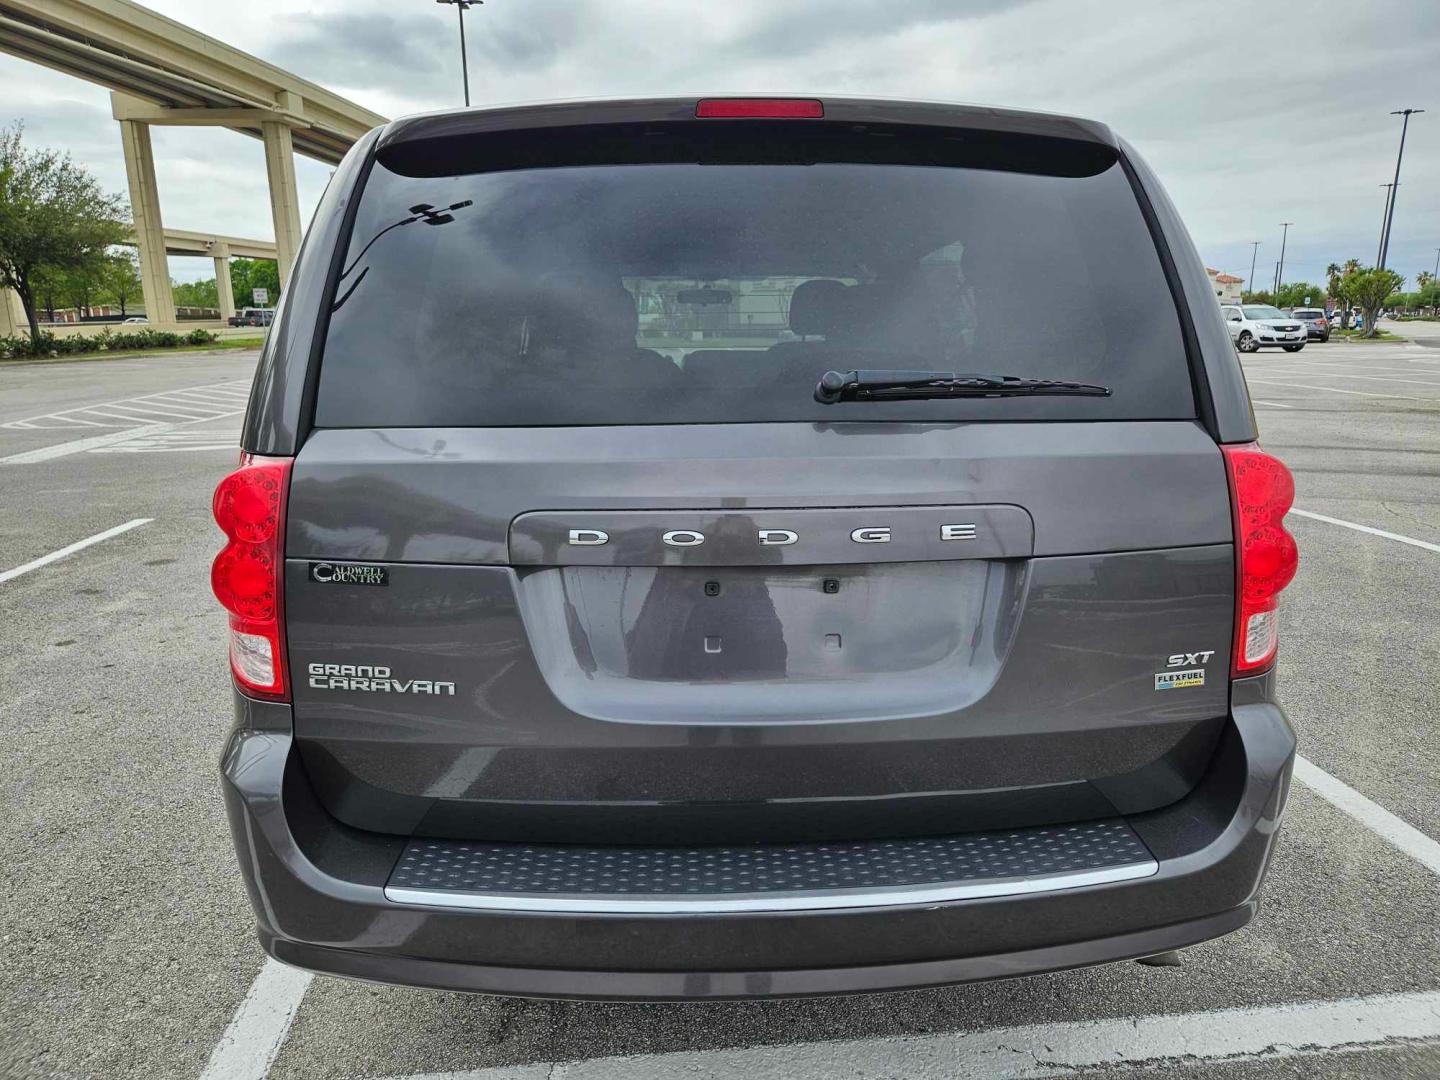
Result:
{"points": [[884, 385]]}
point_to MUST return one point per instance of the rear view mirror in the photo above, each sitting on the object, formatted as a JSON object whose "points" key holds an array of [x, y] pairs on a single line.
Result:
{"points": [[703, 296]]}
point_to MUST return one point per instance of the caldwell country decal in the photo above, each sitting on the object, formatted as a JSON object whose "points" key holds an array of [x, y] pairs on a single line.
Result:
{"points": [[1175, 680], [328, 573]]}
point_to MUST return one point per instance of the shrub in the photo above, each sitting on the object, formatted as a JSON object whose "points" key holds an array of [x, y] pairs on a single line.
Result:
{"points": [[105, 341]]}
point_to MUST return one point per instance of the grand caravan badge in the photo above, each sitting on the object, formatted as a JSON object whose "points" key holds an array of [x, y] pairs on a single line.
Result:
{"points": [[372, 678]]}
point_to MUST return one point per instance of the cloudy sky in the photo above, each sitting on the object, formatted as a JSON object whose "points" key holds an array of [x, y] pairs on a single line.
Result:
{"points": [[1252, 115]]}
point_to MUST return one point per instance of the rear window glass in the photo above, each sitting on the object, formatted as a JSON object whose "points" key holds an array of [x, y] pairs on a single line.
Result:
{"points": [[685, 292]]}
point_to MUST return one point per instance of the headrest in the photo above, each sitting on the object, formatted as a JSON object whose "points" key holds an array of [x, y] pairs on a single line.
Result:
{"points": [[587, 311], [817, 306]]}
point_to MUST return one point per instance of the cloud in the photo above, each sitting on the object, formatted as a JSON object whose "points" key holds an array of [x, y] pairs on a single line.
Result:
{"points": [[1280, 117]]}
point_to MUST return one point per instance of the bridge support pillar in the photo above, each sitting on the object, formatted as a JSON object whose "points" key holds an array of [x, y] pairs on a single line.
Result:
{"points": [[12, 314], [284, 200], [149, 229], [221, 254]]}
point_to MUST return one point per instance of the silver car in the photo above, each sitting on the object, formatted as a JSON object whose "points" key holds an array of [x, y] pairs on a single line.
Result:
{"points": [[1260, 326]]}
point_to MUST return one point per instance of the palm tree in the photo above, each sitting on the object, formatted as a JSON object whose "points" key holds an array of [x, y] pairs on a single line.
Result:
{"points": [[1337, 293]]}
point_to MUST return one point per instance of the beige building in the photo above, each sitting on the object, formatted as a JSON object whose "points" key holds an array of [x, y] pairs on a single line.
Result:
{"points": [[1225, 286]]}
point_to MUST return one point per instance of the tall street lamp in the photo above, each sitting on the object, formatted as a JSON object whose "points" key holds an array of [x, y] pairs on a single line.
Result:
{"points": [[1384, 224], [461, 6], [1254, 250], [1280, 266], [1395, 191]]}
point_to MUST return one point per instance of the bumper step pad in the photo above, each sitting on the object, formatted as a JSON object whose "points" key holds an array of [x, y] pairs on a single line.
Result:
{"points": [[766, 877]]}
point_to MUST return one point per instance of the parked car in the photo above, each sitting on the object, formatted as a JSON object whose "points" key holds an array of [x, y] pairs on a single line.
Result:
{"points": [[926, 637], [252, 317], [1317, 323], [134, 320], [1260, 326]]}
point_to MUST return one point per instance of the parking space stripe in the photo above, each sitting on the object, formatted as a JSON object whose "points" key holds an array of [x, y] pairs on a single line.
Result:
{"points": [[258, 1028], [1337, 390], [1384, 376], [1272, 404], [150, 412], [79, 446], [215, 399], [71, 549], [1397, 537], [1372, 815], [1042, 1050]]}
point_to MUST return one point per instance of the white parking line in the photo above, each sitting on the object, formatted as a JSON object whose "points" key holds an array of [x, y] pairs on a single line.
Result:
{"points": [[1272, 404], [171, 442], [1372, 815], [258, 1028], [216, 399], [71, 549], [1336, 390], [1042, 1050], [1397, 537], [78, 446], [1385, 377]]}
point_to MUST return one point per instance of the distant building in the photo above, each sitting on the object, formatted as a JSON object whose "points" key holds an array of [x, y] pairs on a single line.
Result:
{"points": [[1226, 286]]}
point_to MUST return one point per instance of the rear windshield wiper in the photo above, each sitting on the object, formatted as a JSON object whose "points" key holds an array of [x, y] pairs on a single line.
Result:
{"points": [[885, 385]]}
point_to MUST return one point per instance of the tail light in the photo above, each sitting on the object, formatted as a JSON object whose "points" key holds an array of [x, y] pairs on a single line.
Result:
{"points": [[766, 108], [247, 575], [1261, 492]]}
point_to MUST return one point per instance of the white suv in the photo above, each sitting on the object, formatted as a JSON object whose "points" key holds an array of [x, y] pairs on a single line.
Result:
{"points": [[1260, 326]]}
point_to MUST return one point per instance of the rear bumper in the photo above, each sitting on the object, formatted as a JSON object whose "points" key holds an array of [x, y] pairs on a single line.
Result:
{"points": [[318, 889]]}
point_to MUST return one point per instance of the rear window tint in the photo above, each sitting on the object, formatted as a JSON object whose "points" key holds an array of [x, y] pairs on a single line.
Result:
{"points": [[684, 292]]}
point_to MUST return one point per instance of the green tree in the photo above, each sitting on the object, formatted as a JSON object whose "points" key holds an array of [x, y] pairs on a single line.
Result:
{"points": [[1300, 294], [54, 217], [247, 275], [1261, 297], [48, 286], [1369, 289], [120, 280], [196, 294], [1334, 273], [81, 284]]}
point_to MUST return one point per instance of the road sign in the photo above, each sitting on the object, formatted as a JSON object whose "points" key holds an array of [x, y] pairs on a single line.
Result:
{"points": [[260, 296]]}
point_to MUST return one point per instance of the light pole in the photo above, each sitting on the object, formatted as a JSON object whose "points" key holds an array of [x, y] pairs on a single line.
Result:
{"points": [[1384, 224], [1280, 266], [461, 6], [1254, 250], [1437, 264], [1395, 191]]}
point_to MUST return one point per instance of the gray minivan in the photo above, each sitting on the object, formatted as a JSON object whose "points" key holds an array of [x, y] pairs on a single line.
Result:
{"points": [[741, 547]]}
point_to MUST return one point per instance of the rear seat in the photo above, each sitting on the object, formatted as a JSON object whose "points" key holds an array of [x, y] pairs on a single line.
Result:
{"points": [[729, 367]]}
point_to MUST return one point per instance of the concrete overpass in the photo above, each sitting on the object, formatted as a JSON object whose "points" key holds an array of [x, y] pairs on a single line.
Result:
{"points": [[177, 242], [162, 72]]}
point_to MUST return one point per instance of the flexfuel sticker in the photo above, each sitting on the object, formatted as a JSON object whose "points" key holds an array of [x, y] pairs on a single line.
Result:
{"points": [[1176, 680]]}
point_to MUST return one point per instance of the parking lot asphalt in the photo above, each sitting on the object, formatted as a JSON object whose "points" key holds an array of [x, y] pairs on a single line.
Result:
{"points": [[128, 949]]}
